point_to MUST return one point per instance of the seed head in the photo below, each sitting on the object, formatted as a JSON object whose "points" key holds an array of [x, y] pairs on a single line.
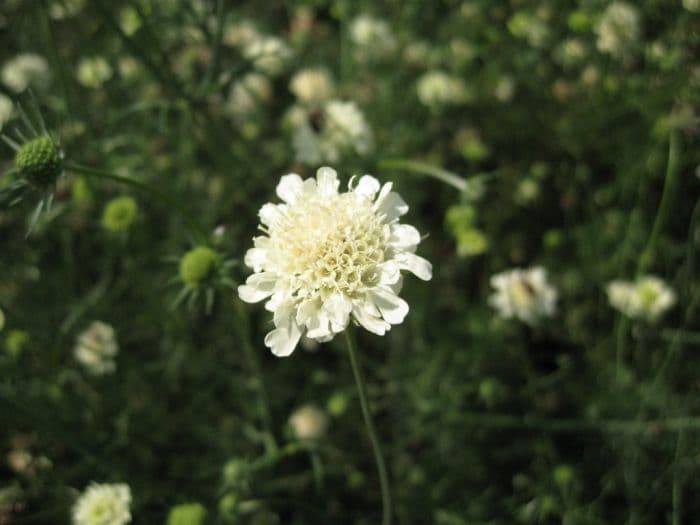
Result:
{"points": [[119, 214], [198, 265], [39, 161]]}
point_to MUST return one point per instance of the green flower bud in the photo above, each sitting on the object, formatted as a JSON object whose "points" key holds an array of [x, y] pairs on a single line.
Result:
{"points": [[119, 214], [235, 472], [563, 475], [337, 404], [187, 514], [39, 161], [15, 341], [198, 265], [228, 507]]}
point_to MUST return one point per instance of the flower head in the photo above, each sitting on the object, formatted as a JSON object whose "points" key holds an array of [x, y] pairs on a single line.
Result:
{"points": [[524, 294], [187, 514], [312, 86], [198, 265], [648, 298], [26, 70], [39, 161], [309, 422], [96, 348], [325, 135], [119, 214], [327, 257], [103, 504], [269, 54], [372, 38], [437, 89], [619, 28]]}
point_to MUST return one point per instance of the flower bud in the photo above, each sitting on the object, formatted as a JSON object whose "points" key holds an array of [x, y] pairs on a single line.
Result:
{"points": [[39, 161], [198, 265], [187, 514], [309, 422], [119, 214]]}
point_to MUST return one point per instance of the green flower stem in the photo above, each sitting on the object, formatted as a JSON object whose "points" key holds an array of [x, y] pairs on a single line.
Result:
{"points": [[242, 327], [566, 426], [196, 228], [379, 459], [669, 191], [425, 169]]}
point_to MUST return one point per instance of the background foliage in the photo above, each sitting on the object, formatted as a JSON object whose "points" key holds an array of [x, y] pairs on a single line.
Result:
{"points": [[586, 419]]}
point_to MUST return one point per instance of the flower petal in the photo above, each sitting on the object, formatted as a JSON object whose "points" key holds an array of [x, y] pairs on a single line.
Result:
{"points": [[367, 187], [404, 237], [282, 341], [392, 307], [338, 307], [257, 287], [255, 258], [368, 316], [271, 213], [390, 204], [327, 180], [289, 188], [418, 266]]}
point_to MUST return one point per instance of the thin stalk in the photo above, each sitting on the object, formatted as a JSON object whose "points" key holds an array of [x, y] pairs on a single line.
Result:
{"points": [[242, 322], [196, 228], [669, 191], [378, 458], [676, 495], [425, 169]]}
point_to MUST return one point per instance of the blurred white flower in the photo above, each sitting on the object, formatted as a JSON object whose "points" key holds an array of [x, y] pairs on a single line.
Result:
{"points": [[6, 109], [93, 72], [248, 94], [524, 294], [63, 9], [618, 28], [269, 54], [328, 257], [570, 52], [240, 33], [437, 89], [504, 89], [103, 504], [326, 134], [96, 348], [312, 86], [372, 38], [26, 70], [692, 5], [647, 298], [309, 422]]}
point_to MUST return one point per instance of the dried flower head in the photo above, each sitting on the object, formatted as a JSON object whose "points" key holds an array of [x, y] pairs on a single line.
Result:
{"points": [[326, 257]]}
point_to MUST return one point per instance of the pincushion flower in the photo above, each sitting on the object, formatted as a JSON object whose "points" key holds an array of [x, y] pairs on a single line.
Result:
{"points": [[524, 294], [103, 504], [328, 257], [648, 298]]}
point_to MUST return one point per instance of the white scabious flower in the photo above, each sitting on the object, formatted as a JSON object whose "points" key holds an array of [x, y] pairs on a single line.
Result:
{"points": [[692, 5], [618, 29], [240, 33], [96, 348], [309, 422], [372, 38], [103, 504], [647, 298], [329, 257], [93, 72], [524, 294], [312, 86], [248, 94], [325, 135], [26, 70], [269, 54], [438, 89], [6, 109]]}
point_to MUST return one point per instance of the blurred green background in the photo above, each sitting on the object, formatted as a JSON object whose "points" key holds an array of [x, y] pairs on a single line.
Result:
{"points": [[575, 126]]}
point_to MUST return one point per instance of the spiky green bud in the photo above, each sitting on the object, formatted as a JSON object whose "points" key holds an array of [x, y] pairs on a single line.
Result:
{"points": [[187, 514], [39, 161], [119, 214], [198, 265]]}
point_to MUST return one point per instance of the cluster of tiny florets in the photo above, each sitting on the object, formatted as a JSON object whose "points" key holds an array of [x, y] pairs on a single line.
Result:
{"points": [[39, 161]]}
